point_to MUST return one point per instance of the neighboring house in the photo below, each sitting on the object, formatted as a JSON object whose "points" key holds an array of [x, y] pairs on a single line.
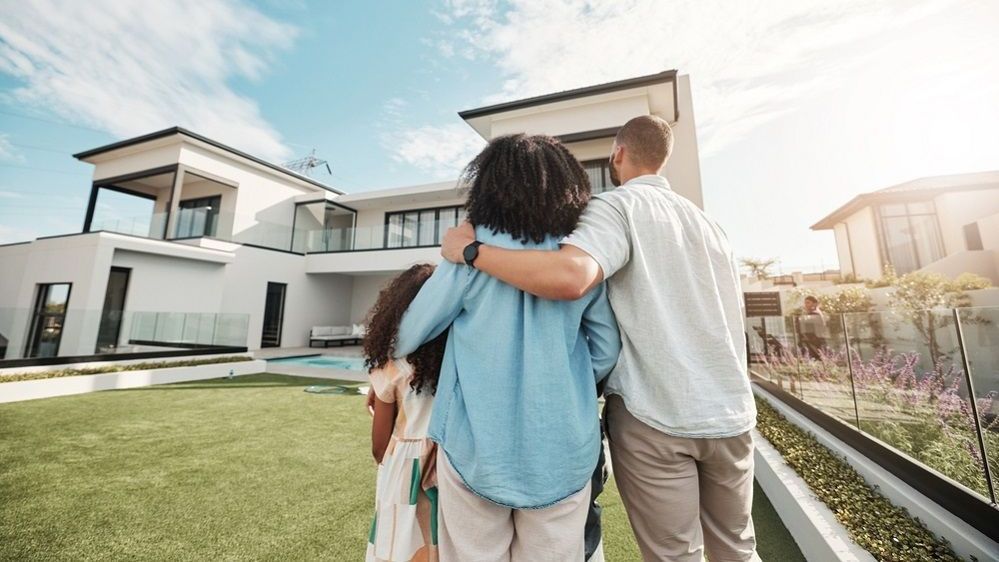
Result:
{"points": [[232, 250], [946, 224]]}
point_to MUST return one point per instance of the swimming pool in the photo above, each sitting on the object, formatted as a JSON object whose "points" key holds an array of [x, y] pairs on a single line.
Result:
{"points": [[325, 362]]}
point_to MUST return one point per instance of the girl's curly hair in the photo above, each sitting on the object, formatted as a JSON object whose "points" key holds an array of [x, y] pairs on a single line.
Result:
{"points": [[530, 187], [383, 330]]}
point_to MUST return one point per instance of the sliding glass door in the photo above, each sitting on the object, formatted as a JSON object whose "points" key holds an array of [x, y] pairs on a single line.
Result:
{"points": [[48, 319]]}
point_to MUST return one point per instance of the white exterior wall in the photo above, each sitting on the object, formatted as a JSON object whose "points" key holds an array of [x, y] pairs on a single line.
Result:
{"points": [[864, 244], [842, 235], [364, 295], [988, 228], [310, 300], [598, 112], [954, 210], [138, 159], [262, 196], [684, 167]]}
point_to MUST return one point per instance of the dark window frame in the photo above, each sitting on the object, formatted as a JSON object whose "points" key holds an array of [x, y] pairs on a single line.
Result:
{"points": [[417, 212], [604, 173], [216, 206], [128, 281], [41, 295]]}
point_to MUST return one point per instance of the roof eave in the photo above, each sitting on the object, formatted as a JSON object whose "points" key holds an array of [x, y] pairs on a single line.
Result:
{"points": [[195, 136], [648, 80]]}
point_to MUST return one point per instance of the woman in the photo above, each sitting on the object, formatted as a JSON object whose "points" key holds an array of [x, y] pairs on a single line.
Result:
{"points": [[516, 408]]}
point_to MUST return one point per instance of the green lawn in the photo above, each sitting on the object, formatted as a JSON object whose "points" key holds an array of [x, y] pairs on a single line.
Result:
{"points": [[245, 469]]}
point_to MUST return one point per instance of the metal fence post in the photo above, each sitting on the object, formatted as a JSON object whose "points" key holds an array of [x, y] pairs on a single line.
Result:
{"points": [[974, 404], [849, 364]]}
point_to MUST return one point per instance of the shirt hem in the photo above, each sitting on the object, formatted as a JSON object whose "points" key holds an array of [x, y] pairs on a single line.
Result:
{"points": [[683, 434], [499, 503]]}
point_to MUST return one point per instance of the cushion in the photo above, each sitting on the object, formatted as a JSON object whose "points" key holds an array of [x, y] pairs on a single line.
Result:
{"points": [[322, 331], [339, 331], [357, 330]]}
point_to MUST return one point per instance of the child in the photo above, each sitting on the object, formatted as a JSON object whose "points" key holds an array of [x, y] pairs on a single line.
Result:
{"points": [[405, 523]]}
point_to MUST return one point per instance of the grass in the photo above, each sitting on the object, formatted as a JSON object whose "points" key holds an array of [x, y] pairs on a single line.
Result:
{"points": [[245, 469]]}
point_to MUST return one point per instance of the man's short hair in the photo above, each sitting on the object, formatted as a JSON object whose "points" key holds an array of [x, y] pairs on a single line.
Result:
{"points": [[649, 141]]}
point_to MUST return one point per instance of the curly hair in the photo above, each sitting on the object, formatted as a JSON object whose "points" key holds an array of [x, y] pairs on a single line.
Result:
{"points": [[383, 330], [530, 187]]}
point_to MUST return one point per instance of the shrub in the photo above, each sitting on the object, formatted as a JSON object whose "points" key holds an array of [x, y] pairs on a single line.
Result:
{"points": [[883, 529], [16, 377]]}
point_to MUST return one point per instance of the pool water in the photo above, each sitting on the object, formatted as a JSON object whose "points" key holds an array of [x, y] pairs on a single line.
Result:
{"points": [[325, 362]]}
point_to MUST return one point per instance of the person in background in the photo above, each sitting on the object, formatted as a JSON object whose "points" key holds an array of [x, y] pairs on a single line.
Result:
{"points": [[812, 330], [679, 408], [401, 400], [516, 409]]}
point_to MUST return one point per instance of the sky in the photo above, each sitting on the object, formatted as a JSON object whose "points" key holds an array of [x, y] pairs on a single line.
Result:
{"points": [[800, 105]]}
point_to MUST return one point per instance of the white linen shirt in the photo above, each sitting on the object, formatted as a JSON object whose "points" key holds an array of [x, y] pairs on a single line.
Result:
{"points": [[674, 286]]}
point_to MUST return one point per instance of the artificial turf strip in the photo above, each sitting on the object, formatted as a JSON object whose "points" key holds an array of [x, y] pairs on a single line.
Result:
{"points": [[883, 529], [244, 469]]}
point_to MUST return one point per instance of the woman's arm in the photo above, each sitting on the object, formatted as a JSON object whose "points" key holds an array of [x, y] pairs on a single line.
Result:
{"points": [[381, 428], [602, 334], [434, 308]]}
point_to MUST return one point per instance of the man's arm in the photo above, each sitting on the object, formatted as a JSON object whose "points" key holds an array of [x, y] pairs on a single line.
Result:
{"points": [[566, 274]]}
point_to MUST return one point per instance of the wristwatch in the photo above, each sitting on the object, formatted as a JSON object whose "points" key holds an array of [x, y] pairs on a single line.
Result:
{"points": [[471, 253]]}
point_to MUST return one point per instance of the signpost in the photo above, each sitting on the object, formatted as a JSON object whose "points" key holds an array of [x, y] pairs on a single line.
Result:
{"points": [[760, 305]]}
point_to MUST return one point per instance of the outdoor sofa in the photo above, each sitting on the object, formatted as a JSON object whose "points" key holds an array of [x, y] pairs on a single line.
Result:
{"points": [[341, 335]]}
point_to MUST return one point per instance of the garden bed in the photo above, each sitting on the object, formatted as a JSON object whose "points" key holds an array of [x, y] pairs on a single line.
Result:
{"points": [[873, 522]]}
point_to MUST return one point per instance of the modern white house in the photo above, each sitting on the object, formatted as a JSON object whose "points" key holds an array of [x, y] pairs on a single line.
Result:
{"points": [[231, 250], [946, 224]]}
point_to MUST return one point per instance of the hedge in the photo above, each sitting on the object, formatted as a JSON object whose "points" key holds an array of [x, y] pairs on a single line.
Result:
{"points": [[16, 377], [882, 528]]}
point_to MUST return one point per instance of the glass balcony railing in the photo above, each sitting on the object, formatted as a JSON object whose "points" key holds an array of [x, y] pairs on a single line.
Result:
{"points": [[425, 234], [924, 382], [88, 332], [245, 229]]}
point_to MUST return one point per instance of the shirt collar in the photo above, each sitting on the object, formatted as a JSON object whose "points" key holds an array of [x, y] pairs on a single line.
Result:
{"points": [[649, 179]]}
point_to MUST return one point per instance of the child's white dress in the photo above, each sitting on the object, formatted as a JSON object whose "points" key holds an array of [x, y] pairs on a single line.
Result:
{"points": [[405, 523]]}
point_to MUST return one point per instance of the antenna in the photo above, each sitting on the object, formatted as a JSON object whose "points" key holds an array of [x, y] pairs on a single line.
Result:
{"points": [[307, 165]]}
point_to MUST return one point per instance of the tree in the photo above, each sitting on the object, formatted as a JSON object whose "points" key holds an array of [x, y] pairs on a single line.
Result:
{"points": [[916, 294], [759, 267]]}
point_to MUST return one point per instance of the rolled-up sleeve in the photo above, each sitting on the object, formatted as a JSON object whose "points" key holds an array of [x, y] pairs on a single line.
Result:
{"points": [[602, 233]]}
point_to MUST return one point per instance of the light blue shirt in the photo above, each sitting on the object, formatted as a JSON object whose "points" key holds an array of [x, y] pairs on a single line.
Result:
{"points": [[516, 404]]}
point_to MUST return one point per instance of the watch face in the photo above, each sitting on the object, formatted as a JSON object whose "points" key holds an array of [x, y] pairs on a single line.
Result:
{"points": [[470, 253]]}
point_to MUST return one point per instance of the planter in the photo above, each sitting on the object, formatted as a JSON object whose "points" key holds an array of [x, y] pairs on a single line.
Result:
{"points": [[66, 386]]}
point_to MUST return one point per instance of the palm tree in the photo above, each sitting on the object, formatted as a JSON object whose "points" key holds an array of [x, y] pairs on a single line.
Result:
{"points": [[759, 267]]}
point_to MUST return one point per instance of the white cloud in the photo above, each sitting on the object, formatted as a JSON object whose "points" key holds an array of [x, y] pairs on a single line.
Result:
{"points": [[131, 69], [8, 153], [749, 62], [440, 150]]}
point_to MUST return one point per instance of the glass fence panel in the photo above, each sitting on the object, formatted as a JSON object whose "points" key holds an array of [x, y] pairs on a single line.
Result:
{"points": [[911, 390], [980, 328], [147, 226], [825, 373]]}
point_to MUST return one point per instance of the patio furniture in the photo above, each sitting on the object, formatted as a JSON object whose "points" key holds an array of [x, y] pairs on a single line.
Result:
{"points": [[342, 335]]}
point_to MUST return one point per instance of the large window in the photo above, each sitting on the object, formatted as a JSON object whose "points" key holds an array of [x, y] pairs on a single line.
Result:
{"points": [[48, 319], [198, 217], [420, 227], [599, 173], [910, 236]]}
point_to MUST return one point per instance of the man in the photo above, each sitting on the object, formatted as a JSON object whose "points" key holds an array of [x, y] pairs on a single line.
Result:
{"points": [[679, 409], [812, 328]]}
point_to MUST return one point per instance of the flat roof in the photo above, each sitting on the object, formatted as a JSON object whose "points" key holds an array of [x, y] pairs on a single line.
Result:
{"points": [[648, 80], [190, 134], [917, 189]]}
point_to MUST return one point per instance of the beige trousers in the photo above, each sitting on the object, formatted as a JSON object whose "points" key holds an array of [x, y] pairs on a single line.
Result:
{"points": [[683, 496], [472, 529]]}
